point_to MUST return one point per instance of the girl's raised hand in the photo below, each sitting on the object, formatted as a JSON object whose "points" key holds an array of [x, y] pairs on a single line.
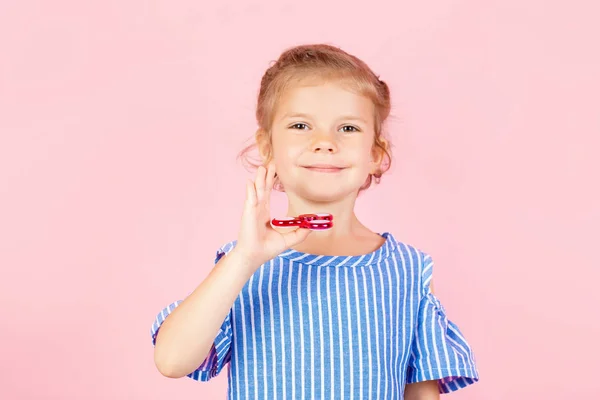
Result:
{"points": [[257, 240]]}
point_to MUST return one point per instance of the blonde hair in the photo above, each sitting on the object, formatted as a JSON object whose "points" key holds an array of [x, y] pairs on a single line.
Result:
{"points": [[327, 63]]}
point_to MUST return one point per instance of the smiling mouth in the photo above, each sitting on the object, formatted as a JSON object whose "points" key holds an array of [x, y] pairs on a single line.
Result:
{"points": [[330, 169]]}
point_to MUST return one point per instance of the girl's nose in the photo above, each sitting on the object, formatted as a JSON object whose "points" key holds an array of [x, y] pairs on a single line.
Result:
{"points": [[324, 144]]}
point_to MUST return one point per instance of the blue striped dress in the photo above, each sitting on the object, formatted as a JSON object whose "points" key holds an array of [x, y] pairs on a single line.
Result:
{"points": [[330, 327]]}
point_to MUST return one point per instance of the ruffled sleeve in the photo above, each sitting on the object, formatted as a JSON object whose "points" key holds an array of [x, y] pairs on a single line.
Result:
{"points": [[439, 349], [220, 352]]}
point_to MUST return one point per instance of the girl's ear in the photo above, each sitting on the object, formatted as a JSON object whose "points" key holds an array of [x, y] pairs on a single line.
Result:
{"points": [[263, 143], [380, 148]]}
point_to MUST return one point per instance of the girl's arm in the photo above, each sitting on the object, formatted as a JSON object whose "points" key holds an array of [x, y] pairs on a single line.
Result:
{"points": [[427, 390], [187, 334]]}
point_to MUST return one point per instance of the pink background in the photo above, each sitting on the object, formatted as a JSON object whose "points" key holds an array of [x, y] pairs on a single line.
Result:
{"points": [[120, 122]]}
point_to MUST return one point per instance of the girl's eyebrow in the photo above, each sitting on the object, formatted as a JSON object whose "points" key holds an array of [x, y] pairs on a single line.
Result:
{"points": [[306, 116], [295, 115], [352, 118]]}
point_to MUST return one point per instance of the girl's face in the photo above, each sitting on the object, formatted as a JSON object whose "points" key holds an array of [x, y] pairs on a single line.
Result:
{"points": [[322, 141]]}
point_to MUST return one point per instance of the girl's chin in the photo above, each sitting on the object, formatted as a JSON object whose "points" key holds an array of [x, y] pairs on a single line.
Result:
{"points": [[326, 193]]}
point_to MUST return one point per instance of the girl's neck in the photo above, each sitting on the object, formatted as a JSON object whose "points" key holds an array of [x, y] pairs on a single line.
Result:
{"points": [[345, 222], [347, 237]]}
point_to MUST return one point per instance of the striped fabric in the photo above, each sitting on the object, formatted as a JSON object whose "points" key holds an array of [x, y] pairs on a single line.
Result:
{"points": [[330, 327]]}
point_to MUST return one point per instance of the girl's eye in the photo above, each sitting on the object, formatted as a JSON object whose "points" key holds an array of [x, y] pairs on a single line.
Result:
{"points": [[349, 128], [299, 125]]}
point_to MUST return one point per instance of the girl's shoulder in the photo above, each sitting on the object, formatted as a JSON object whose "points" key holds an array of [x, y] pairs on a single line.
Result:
{"points": [[411, 252], [419, 261]]}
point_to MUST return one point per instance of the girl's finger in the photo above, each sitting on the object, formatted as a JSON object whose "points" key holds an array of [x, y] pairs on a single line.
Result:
{"points": [[251, 199], [259, 183], [269, 183], [270, 178]]}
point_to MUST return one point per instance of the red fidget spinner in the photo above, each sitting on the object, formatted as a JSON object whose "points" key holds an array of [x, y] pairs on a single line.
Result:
{"points": [[307, 221]]}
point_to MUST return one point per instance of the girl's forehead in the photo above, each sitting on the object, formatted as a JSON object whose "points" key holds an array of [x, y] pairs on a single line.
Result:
{"points": [[324, 98]]}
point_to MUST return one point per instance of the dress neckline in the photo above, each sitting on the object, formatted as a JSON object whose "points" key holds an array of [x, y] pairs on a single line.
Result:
{"points": [[374, 257]]}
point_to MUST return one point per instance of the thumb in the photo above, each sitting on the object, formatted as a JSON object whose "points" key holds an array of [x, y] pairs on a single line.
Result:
{"points": [[295, 237]]}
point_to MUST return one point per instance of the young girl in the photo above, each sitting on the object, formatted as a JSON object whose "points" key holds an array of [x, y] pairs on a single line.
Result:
{"points": [[342, 313]]}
